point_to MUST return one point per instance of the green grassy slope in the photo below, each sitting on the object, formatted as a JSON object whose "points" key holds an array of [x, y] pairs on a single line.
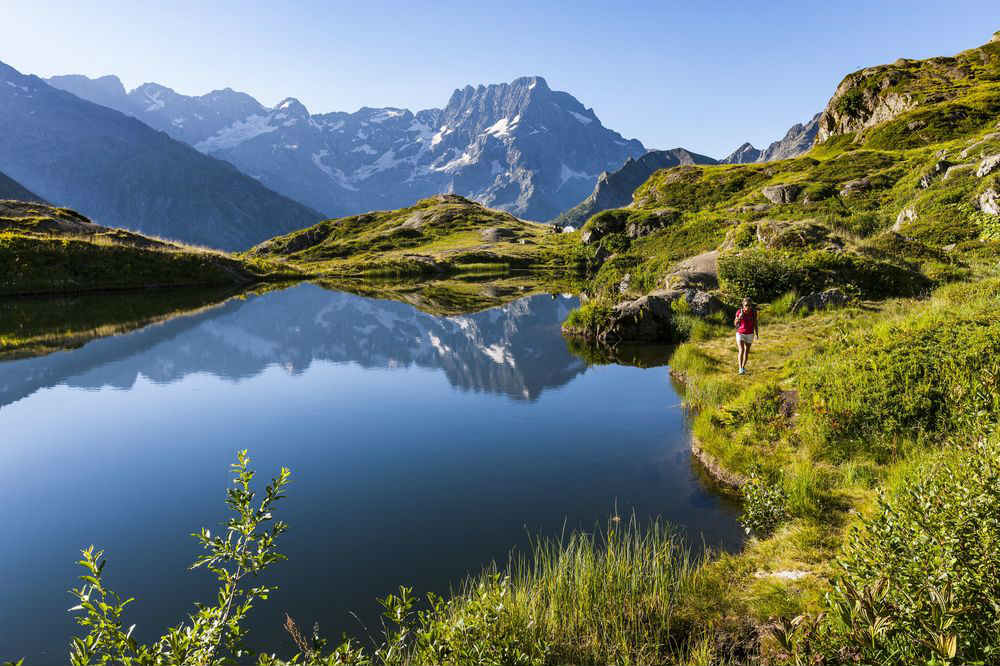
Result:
{"points": [[441, 235], [44, 249], [903, 153]]}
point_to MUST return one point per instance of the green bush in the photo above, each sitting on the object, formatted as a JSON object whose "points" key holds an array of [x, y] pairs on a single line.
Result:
{"points": [[763, 274], [765, 505], [920, 579]]}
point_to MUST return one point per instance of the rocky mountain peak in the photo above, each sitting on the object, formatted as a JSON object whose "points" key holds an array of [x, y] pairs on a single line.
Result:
{"points": [[518, 146]]}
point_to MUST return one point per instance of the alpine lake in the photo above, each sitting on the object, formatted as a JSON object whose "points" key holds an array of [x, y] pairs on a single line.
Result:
{"points": [[429, 431]]}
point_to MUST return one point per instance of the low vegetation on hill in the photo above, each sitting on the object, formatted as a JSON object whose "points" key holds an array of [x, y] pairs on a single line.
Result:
{"points": [[442, 235], [44, 249]]}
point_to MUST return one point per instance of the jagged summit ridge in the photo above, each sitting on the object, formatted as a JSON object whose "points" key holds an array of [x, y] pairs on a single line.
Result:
{"points": [[518, 146], [797, 141]]}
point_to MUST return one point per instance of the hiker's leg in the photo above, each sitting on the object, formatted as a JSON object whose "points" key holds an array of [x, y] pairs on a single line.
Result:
{"points": [[741, 346], [746, 352]]}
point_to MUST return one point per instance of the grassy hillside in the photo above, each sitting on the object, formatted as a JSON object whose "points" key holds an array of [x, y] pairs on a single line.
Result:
{"points": [[44, 249], [445, 234]]}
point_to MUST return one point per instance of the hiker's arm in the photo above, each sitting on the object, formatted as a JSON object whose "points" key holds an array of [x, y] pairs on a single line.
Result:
{"points": [[756, 326], [736, 319]]}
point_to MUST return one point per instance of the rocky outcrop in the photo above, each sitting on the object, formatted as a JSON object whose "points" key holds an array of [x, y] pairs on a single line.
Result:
{"points": [[634, 224], [855, 186], [781, 194], [989, 202], [820, 300], [863, 100], [614, 189], [908, 214], [496, 234], [939, 168], [988, 165]]}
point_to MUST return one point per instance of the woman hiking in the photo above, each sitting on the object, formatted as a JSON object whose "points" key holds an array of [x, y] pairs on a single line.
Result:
{"points": [[746, 329]]}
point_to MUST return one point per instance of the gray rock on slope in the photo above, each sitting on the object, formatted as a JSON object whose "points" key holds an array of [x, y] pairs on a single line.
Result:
{"points": [[614, 189], [797, 141], [519, 146]]}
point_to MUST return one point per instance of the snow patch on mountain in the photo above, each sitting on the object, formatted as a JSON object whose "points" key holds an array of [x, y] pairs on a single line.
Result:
{"points": [[237, 133]]}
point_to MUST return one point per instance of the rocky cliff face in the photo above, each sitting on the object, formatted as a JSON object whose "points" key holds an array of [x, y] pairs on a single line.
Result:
{"points": [[122, 173], [797, 141], [614, 189], [519, 146]]}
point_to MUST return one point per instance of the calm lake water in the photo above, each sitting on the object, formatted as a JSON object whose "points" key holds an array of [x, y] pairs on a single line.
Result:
{"points": [[421, 448]]}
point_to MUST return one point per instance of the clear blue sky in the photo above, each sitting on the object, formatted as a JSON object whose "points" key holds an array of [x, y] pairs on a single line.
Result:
{"points": [[703, 75]]}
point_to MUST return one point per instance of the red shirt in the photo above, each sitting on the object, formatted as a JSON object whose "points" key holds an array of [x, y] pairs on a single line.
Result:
{"points": [[748, 322]]}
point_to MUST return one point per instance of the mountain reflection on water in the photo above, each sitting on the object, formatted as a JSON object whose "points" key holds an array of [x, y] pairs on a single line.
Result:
{"points": [[421, 447], [514, 349]]}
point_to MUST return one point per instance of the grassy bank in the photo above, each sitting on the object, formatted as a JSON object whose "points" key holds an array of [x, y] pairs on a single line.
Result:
{"points": [[48, 250]]}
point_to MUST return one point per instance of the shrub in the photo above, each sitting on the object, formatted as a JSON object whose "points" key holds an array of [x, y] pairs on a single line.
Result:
{"points": [[927, 565], [213, 634], [763, 274], [764, 505]]}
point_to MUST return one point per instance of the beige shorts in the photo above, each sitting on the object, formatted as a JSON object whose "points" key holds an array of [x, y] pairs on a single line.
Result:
{"points": [[744, 337]]}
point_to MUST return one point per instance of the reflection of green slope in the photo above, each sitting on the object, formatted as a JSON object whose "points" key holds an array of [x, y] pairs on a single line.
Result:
{"points": [[456, 296], [42, 325]]}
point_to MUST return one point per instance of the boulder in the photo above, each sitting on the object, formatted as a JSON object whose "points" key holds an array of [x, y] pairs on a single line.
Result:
{"points": [[989, 202], [755, 208], [656, 220], [646, 319], [988, 165], [908, 214], [781, 194], [496, 234], [702, 303], [821, 299], [940, 167], [854, 187]]}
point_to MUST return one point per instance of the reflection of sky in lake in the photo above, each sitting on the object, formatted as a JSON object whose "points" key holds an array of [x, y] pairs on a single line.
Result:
{"points": [[421, 448]]}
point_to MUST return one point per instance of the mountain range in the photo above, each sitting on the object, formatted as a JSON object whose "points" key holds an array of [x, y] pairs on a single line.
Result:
{"points": [[798, 140], [520, 146], [123, 173], [614, 190]]}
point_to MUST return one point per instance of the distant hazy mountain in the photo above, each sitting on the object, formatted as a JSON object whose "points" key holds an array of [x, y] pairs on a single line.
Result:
{"points": [[614, 189], [11, 189], [520, 147], [122, 173], [798, 140]]}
